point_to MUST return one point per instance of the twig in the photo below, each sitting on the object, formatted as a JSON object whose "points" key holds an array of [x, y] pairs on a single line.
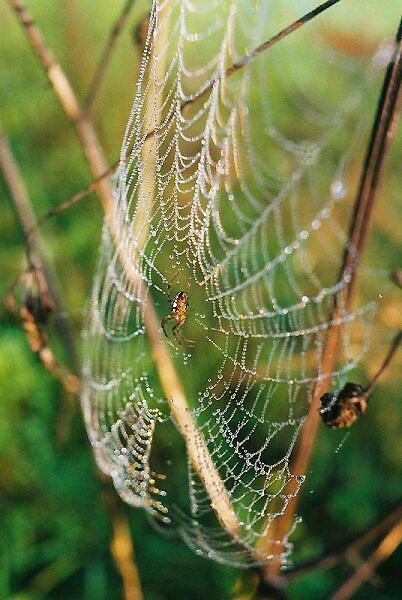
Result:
{"points": [[334, 556], [34, 314], [73, 199], [122, 550], [69, 102], [106, 54], [245, 60], [35, 248], [392, 349], [279, 36], [250, 56], [121, 546], [396, 277], [380, 138], [388, 545], [197, 448]]}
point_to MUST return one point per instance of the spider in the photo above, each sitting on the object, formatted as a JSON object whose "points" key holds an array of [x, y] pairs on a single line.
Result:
{"points": [[178, 307]]}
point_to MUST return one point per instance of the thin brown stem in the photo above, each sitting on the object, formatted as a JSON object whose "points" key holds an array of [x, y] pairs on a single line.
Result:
{"points": [[388, 545], [334, 556], [73, 199], [106, 55], [121, 545], [381, 135], [396, 277], [196, 445], [245, 60], [123, 554], [280, 36], [36, 251], [391, 351], [68, 100], [250, 56]]}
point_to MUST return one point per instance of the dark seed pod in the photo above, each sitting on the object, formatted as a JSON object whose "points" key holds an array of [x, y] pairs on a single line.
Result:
{"points": [[343, 408]]}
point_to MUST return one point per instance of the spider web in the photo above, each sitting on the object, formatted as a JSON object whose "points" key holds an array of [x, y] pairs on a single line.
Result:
{"points": [[220, 195]]}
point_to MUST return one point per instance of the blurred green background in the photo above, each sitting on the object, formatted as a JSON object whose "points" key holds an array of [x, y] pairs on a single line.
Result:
{"points": [[56, 522]]}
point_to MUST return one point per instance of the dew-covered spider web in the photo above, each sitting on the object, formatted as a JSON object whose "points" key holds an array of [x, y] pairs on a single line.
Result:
{"points": [[237, 189]]}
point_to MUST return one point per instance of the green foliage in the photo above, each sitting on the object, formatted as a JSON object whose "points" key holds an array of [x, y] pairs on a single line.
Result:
{"points": [[55, 532]]}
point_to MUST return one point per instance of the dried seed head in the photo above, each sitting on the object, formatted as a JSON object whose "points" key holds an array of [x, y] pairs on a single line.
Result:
{"points": [[343, 408]]}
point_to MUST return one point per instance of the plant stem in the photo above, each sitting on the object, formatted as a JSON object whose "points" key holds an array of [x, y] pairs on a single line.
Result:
{"points": [[381, 135], [36, 252], [388, 545], [332, 557], [245, 60], [196, 445]]}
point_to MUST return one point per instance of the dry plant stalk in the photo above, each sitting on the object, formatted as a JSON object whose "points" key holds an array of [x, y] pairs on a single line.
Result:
{"points": [[68, 100], [330, 558], [122, 550], [388, 545], [121, 546], [43, 295], [42, 298], [197, 449], [383, 127], [245, 60], [34, 313]]}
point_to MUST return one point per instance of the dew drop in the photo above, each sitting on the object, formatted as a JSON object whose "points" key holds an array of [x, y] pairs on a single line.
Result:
{"points": [[338, 189]]}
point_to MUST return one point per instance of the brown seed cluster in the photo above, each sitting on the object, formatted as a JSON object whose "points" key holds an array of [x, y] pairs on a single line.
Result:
{"points": [[343, 408]]}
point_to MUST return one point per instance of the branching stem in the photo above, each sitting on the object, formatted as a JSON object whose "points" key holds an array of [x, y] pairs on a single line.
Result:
{"points": [[334, 556], [35, 250], [383, 127], [391, 351], [245, 60], [387, 546], [197, 448]]}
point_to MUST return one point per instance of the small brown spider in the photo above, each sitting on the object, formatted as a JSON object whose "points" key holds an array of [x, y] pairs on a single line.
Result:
{"points": [[178, 307]]}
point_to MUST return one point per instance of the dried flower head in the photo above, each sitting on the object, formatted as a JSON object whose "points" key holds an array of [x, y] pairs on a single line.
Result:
{"points": [[343, 408]]}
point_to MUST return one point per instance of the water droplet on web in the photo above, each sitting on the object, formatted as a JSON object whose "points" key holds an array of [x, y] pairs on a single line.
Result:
{"points": [[338, 189], [341, 443], [383, 55], [259, 357]]}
